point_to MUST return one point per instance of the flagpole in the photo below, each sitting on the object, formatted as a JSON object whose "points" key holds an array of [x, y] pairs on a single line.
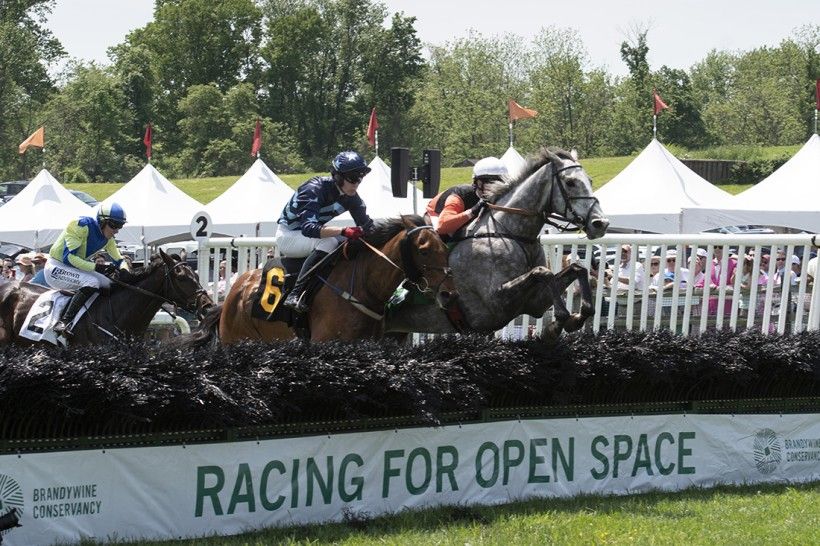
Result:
{"points": [[376, 133], [815, 121], [511, 134], [654, 125]]}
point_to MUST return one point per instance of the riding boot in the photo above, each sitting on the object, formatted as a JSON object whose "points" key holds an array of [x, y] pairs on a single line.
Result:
{"points": [[77, 302], [297, 299]]}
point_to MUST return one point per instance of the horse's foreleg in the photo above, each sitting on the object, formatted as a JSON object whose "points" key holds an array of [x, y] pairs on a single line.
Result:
{"points": [[525, 288], [563, 280]]}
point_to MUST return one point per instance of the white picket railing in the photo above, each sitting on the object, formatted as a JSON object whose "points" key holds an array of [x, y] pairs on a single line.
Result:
{"points": [[767, 307]]}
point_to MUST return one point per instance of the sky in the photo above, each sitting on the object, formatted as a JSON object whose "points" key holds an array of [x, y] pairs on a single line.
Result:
{"points": [[681, 32]]}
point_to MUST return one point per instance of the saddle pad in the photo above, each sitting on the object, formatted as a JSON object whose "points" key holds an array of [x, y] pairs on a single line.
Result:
{"points": [[267, 296], [45, 312]]}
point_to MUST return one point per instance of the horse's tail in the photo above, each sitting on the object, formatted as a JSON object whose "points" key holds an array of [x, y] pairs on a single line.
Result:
{"points": [[206, 333]]}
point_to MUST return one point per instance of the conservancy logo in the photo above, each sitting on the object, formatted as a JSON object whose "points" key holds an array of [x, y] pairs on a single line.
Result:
{"points": [[11, 497], [767, 450]]}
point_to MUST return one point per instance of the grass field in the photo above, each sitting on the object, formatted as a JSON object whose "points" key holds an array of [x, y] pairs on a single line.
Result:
{"points": [[752, 515], [204, 190]]}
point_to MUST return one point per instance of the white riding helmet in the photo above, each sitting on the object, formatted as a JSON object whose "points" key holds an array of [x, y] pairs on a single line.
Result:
{"points": [[490, 167]]}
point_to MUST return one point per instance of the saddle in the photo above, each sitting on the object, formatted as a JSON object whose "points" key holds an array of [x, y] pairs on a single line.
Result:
{"points": [[278, 279]]}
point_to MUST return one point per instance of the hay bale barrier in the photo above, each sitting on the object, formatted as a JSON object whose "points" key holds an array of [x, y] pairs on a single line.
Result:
{"points": [[94, 391]]}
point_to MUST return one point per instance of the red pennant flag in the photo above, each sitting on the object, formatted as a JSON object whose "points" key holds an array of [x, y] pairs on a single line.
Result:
{"points": [[37, 139], [372, 127], [147, 141], [659, 104], [519, 112], [257, 139], [817, 94]]}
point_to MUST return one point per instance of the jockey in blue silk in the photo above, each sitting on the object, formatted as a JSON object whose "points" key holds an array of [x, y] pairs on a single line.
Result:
{"points": [[69, 267], [302, 230]]}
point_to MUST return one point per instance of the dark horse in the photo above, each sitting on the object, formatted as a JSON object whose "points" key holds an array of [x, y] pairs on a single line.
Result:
{"points": [[407, 249], [499, 265], [126, 312]]}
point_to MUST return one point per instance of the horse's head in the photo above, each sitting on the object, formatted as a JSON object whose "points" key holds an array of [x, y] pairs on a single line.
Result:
{"points": [[181, 286], [424, 259], [570, 197]]}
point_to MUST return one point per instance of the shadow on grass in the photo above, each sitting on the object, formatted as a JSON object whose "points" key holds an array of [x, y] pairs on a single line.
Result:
{"points": [[360, 525]]}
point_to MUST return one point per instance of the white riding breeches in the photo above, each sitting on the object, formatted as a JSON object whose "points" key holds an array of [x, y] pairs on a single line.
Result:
{"points": [[65, 277], [292, 244]]}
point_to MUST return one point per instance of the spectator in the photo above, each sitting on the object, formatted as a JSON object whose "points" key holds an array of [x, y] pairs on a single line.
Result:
{"points": [[717, 264], [783, 270], [26, 268], [811, 269], [666, 278], [698, 275], [746, 274], [99, 259], [625, 270], [39, 261]]}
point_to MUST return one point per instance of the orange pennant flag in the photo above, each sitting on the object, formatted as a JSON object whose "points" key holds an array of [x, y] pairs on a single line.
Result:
{"points": [[659, 104], [519, 112], [37, 139]]}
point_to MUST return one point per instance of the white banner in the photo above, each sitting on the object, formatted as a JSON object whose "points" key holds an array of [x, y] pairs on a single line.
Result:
{"points": [[182, 491]]}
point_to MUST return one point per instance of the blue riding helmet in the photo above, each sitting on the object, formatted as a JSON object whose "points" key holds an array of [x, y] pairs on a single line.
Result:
{"points": [[112, 213], [349, 162]]}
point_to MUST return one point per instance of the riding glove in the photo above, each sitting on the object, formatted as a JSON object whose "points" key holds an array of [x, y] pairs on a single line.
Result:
{"points": [[353, 233], [476, 209], [106, 269]]}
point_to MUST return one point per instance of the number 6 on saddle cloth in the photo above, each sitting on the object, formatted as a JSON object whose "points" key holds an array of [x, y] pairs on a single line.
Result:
{"points": [[276, 283]]}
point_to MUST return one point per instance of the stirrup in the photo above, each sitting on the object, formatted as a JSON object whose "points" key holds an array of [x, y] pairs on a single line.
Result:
{"points": [[61, 328], [297, 302]]}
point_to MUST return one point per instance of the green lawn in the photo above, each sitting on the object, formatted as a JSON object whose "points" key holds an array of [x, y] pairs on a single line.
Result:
{"points": [[769, 514], [204, 190]]}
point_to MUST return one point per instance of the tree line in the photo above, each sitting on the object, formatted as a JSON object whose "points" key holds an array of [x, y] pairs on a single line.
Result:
{"points": [[203, 71]]}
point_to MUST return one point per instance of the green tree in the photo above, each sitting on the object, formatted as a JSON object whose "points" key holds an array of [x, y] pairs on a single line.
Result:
{"points": [[27, 48], [462, 106], [217, 130], [393, 66], [574, 106], [88, 125], [191, 42]]}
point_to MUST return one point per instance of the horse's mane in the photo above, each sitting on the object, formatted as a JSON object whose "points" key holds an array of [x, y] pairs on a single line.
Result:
{"points": [[385, 230], [140, 273], [535, 162]]}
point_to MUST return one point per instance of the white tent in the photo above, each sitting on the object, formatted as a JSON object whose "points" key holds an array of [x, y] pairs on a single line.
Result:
{"points": [[252, 205], [36, 216], [514, 162], [789, 197], [649, 194], [377, 194], [156, 209]]}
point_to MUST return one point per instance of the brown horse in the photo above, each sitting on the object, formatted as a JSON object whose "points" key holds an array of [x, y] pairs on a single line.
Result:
{"points": [[126, 312], [408, 249]]}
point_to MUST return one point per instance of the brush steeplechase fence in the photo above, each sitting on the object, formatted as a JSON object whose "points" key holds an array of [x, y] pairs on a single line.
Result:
{"points": [[765, 304]]}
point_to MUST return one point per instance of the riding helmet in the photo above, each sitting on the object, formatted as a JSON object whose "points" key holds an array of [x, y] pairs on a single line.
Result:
{"points": [[490, 167], [349, 162], [112, 213]]}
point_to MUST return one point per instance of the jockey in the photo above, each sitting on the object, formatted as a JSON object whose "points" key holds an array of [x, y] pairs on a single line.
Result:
{"points": [[69, 267], [452, 209], [302, 231]]}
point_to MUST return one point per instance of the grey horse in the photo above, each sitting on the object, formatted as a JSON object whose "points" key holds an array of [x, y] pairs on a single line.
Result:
{"points": [[499, 265]]}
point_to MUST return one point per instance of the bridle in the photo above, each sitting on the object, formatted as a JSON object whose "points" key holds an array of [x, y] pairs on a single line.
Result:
{"points": [[413, 274], [195, 303], [569, 216]]}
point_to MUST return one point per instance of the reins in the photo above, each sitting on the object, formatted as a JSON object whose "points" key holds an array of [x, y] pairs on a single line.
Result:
{"points": [[414, 275], [167, 280], [569, 216]]}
